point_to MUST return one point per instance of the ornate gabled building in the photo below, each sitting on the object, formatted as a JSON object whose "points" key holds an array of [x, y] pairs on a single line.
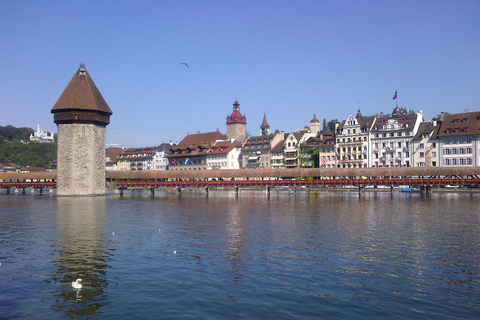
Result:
{"points": [[292, 149], [459, 137], [352, 141], [237, 124], [391, 138], [191, 152], [81, 115]]}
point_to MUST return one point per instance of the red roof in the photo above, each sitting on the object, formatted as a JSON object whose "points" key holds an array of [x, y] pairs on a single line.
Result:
{"points": [[236, 116], [460, 124], [81, 94]]}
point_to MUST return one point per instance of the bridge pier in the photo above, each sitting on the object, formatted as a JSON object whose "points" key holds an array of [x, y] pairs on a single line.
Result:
{"points": [[236, 191], [426, 191], [32, 191], [151, 192], [360, 189], [268, 191], [206, 189], [179, 191], [8, 190], [24, 190]]}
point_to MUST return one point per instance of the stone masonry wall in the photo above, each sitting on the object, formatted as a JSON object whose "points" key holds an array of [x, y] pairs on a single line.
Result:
{"points": [[81, 160]]}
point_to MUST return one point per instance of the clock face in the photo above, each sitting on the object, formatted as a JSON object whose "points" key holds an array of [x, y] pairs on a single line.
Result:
{"points": [[241, 129]]}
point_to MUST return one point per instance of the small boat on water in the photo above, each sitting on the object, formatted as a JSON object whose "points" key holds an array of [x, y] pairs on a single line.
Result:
{"points": [[411, 190]]}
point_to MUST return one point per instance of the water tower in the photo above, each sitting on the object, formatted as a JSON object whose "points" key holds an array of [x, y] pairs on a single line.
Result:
{"points": [[81, 115]]}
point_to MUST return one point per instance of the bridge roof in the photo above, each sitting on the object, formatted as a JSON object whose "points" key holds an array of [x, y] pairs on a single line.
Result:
{"points": [[259, 173]]}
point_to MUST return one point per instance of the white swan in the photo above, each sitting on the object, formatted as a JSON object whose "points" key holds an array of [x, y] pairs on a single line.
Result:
{"points": [[76, 284]]}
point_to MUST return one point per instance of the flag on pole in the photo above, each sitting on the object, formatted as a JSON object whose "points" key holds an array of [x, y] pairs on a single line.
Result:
{"points": [[395, 95], [188, 162], [173, 162]]}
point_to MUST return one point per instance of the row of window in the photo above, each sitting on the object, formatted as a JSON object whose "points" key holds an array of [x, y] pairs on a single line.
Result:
{"points": [[392, 134], [391, 155], [457, 162], [349, 149], [457, 141], [457, 151], [352, 139], [392, 145], [257, 146]]}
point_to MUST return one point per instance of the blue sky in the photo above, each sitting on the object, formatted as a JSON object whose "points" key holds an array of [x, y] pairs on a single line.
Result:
{"points": [[288, 59]]}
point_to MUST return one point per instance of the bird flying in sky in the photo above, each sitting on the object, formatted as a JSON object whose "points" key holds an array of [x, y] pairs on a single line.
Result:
{"points": [[185, 64]]}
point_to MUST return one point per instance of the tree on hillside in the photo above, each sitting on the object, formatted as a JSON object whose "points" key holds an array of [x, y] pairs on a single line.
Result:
{"points": [[10, 133]]}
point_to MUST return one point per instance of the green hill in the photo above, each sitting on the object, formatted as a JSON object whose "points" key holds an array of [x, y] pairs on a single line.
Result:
{"points": [[15, 147]]}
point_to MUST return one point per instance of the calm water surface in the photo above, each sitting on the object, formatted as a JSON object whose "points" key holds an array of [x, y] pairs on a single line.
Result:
{"points": [[305, 256]]}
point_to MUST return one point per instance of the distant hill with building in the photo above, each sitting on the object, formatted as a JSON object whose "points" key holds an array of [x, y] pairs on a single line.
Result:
{"points": [[17, 148]]}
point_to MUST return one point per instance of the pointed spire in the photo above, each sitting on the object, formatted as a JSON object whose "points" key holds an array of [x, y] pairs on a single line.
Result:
{"points": [[81, 101], [264, 123], [359, 114]]}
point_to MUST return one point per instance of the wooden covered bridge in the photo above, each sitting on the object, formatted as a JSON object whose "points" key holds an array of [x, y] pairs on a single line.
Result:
{"points": [[424, 178]]}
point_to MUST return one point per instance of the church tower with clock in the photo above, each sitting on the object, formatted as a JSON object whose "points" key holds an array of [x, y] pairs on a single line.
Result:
{"points": [[237, 124]]}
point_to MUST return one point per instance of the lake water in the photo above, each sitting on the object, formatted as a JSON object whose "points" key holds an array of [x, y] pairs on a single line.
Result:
{"points": [[309, 255]]}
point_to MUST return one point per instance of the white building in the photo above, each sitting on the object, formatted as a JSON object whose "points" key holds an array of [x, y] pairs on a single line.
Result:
{"points": [[391, 138], [353, 140], [41, 136], [160, 160], [425, 146], [224, 155], [459, 136]]}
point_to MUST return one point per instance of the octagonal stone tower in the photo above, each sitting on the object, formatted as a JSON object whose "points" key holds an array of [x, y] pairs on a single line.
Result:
{"points": [[81, 115]]}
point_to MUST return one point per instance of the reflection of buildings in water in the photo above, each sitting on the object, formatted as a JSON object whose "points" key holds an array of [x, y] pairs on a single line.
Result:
{"points": [[236, 253], [80, 253]]}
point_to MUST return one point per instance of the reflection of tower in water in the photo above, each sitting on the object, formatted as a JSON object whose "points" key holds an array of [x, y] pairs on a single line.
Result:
{"points": [[80, 253], [236, 253]]}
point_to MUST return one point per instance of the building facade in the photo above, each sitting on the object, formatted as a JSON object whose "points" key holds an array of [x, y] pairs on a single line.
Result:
{"points": [[224, 155], [136, 159], [459, 136], [391, 138], [191, 153], [425, 146], [353, 140], [160, 160]]}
